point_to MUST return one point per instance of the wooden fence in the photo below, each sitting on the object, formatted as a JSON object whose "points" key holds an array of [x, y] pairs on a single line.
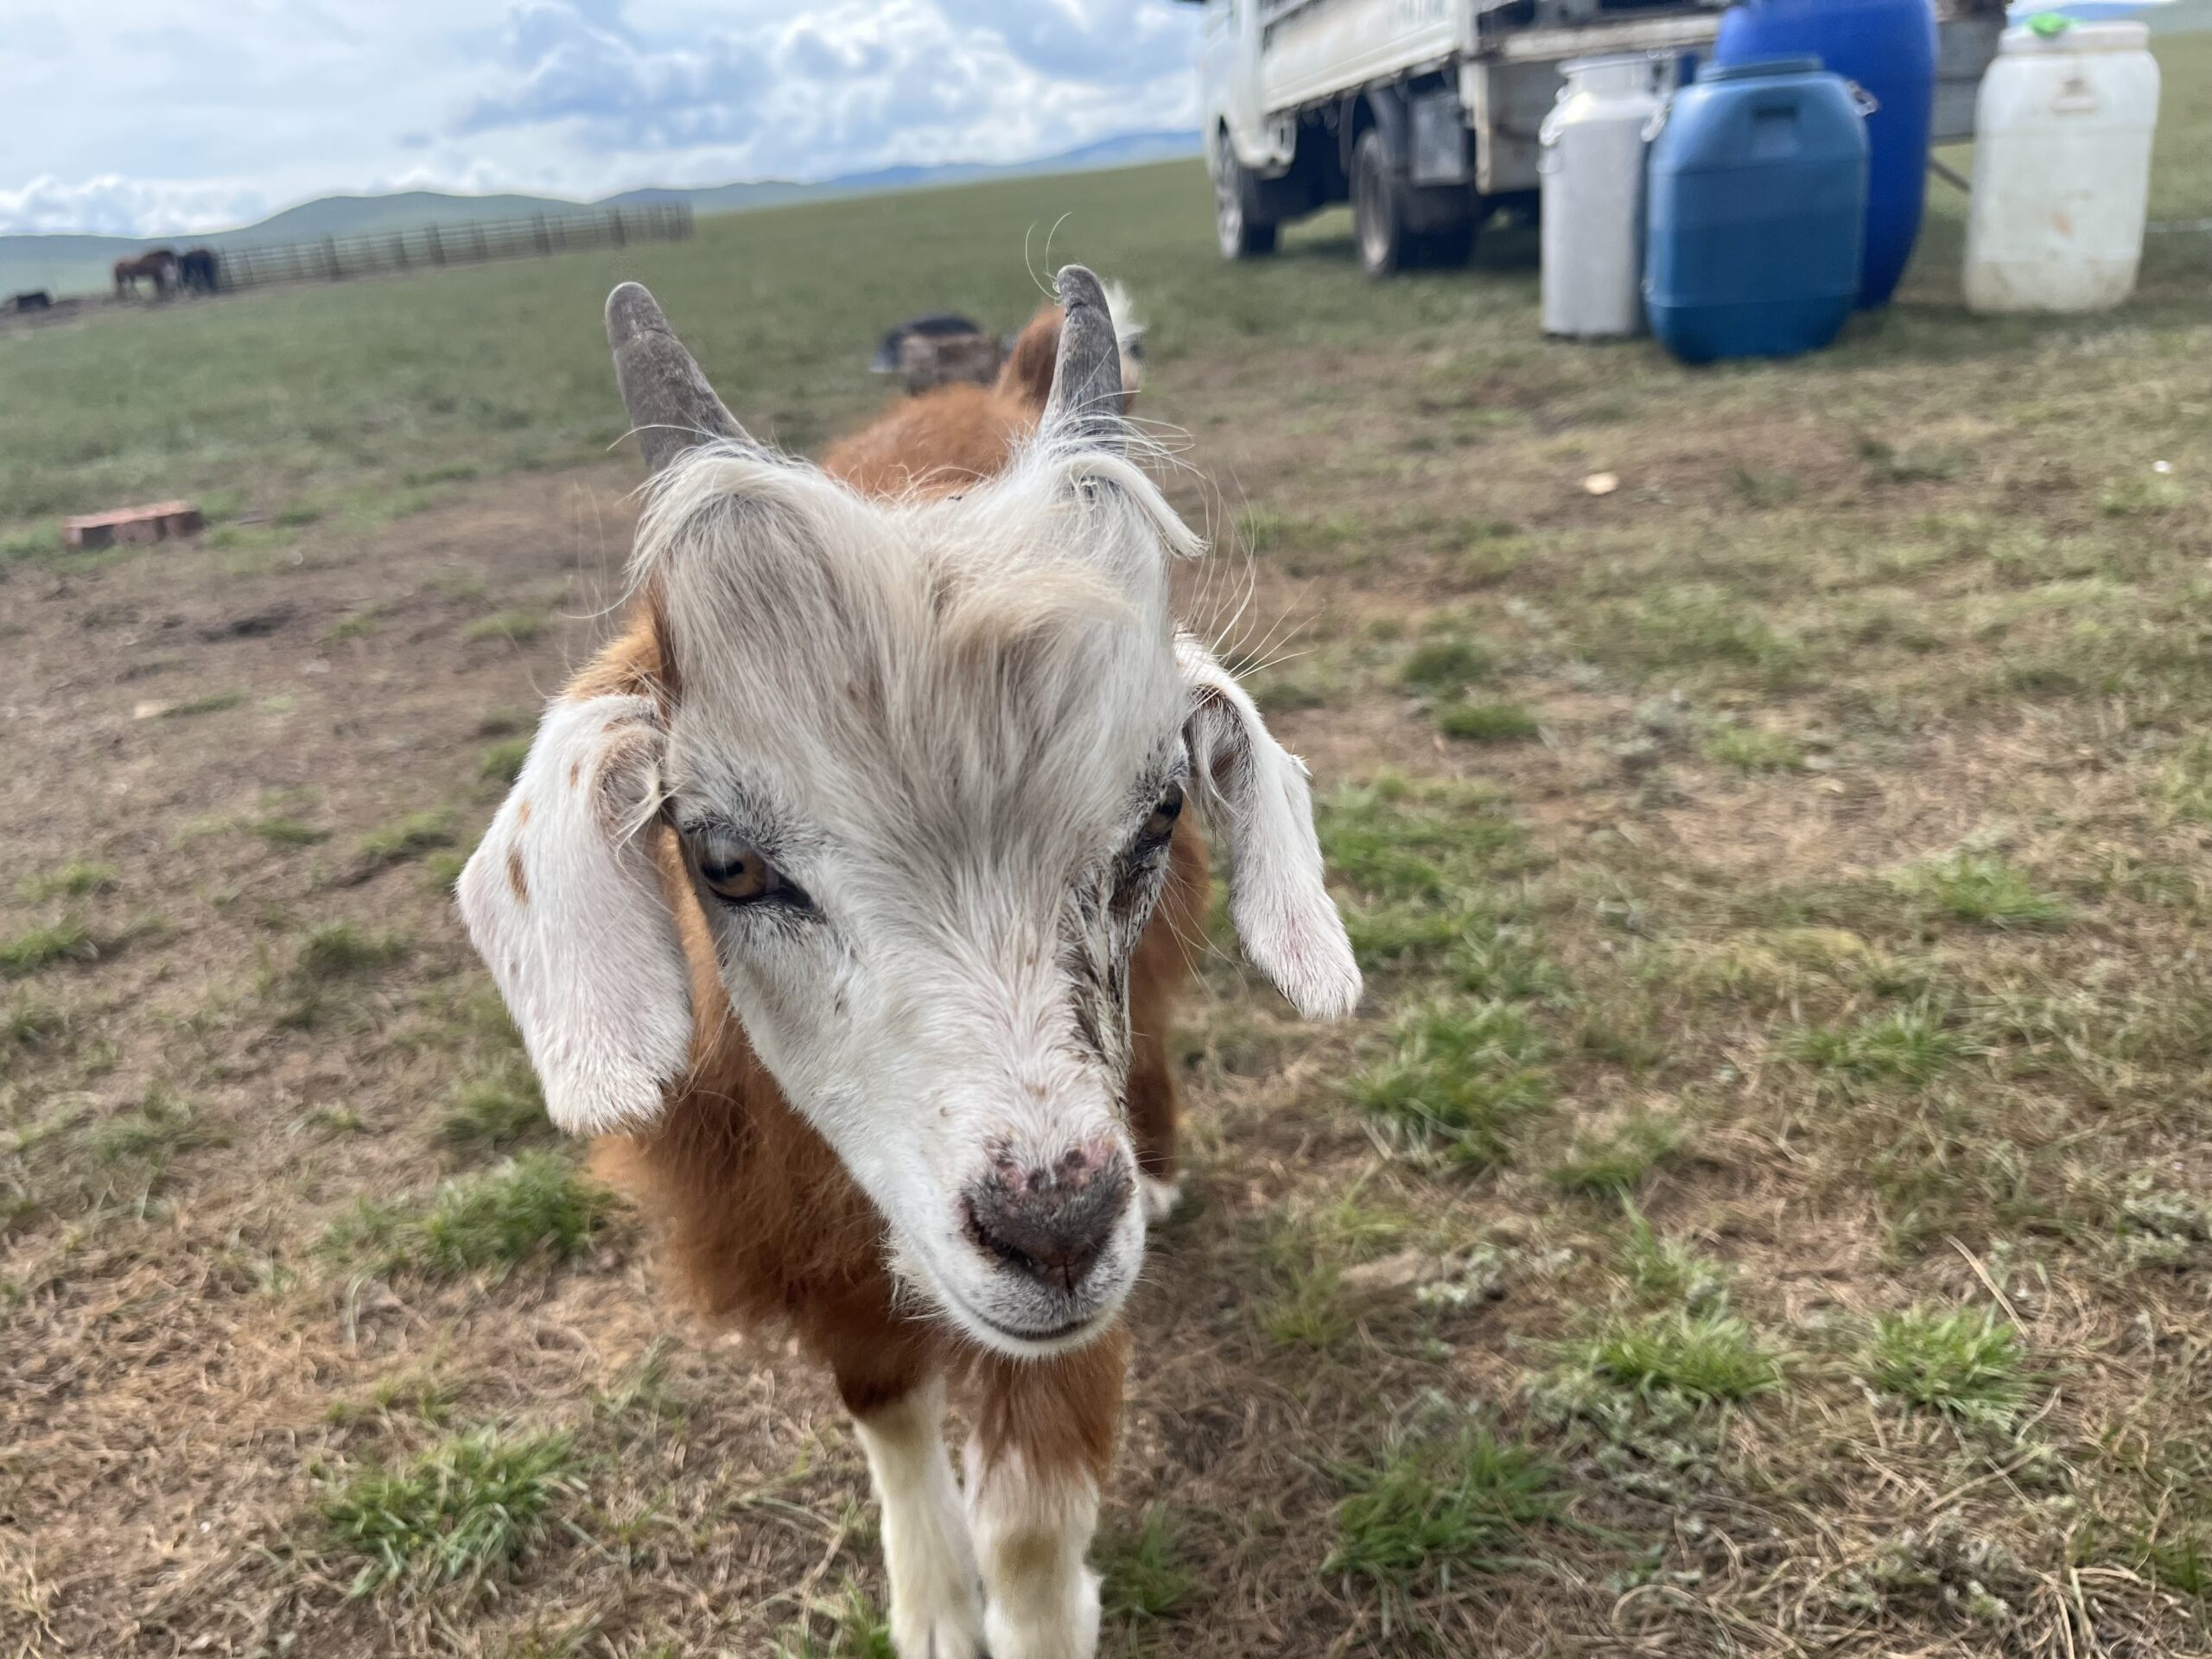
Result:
{"points": [[333, 258]]}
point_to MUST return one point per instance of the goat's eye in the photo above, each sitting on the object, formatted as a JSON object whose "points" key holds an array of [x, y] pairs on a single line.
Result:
{"points": [[737, 874], [1161, 824]]}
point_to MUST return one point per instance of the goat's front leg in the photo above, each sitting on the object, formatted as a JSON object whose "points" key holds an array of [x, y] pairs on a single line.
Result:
{"points": [[1042, 1445], [935, 1611]]}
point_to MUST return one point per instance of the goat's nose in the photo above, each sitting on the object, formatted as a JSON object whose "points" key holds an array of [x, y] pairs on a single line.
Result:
{"points": [[1051, 1223]]}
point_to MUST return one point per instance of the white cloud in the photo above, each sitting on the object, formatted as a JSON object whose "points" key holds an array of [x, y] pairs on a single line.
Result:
{"points": [[215, 118], [579, 59], [114, 206]]}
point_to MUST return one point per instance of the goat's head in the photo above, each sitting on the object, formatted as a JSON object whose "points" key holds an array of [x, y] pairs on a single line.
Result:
{"points": [[924, 761]]}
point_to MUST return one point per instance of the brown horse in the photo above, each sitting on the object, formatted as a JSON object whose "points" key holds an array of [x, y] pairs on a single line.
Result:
{"points": [[157, 264]]}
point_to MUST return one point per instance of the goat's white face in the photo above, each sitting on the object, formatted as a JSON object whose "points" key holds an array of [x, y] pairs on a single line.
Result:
{"points": [[925, 762], [919, 765]]}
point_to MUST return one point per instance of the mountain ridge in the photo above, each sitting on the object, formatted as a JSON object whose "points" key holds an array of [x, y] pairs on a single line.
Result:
{"points": [[72, 261]]}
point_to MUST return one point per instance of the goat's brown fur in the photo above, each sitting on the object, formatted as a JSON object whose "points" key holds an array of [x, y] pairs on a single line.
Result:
{"points": [[762, 1223]]}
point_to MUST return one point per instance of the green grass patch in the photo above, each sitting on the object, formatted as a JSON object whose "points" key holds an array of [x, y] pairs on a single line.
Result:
{"points": [[444, 868], [1428, 1509], [1702, 626], [1888, 464], [1963, 1361], [1983, 888], [1907, 1045], [280, 831], [155, 1131], [1258, 528], [856, 1630], [27, 1022], [409, 837], [1146, 1574], [414, 1392], [332, 962], [1456, 1079], [1742, 749], [76, 880], [1485, 722], [498, 1111], [1756, 488], [506, 722], [1306, 1308], [1662, 1270], [537, 1206], [1708, 1356], [356, 625], [339, 951], [468, 1507], [518, 627], [2180, 1560], [1614, 1161], [213, 702], [2186, 783], [2146, 495], [1395, 838], [1446, 666], [41, 947], [503, 761], [1949, 1172]]}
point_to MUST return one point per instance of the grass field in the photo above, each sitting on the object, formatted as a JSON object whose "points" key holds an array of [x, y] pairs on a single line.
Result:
{"points": [[1765, 1208]]}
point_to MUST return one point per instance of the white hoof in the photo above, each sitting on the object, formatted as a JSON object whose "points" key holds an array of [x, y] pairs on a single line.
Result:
{"points": [[1160, 1197]]}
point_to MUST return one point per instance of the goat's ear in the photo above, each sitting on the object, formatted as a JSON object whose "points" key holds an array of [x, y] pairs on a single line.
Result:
{"points": [[563, 902], [1254, 794]]}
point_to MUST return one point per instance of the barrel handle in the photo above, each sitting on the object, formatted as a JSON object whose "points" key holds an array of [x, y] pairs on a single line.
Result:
{"points": [[1863, 101]]}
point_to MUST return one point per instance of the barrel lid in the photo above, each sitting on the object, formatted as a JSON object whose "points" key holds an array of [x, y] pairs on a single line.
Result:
{"points": [[2114, 36], [1760, 68]]}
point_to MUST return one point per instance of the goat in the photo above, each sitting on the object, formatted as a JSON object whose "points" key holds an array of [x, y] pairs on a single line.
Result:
{"points": [[843, 897], [939, 349]]}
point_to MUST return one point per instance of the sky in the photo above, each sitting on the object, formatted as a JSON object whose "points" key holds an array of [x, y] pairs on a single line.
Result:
{"points": [[148, 117]]}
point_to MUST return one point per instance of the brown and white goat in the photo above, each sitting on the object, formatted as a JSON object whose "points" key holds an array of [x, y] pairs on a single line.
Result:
{"points": [[843, 896]]}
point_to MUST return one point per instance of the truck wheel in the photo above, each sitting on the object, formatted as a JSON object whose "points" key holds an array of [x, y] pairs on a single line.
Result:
{"points": [[1378, 212], [1238, 226]]}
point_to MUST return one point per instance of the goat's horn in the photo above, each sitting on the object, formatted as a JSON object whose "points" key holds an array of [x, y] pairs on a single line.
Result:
{"points": [[1086, 398], [672, 408]]}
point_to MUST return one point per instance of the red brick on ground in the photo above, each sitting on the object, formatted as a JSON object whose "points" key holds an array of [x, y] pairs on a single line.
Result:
{"points": [[157, 523]]}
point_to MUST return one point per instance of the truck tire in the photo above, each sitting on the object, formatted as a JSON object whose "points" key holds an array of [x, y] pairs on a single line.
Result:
{"points": [[1238, 226], [1378, 209]]}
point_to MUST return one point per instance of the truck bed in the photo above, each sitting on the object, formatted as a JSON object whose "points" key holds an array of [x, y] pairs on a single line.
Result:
{"points": [[1312, 50]]}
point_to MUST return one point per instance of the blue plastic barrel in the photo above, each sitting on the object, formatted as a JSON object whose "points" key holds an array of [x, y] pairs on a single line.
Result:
{"points": [[1888, 47], [1756, 214]]}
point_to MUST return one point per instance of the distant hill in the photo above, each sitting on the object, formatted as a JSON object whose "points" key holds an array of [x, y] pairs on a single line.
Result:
{"points": [[68, 265]]}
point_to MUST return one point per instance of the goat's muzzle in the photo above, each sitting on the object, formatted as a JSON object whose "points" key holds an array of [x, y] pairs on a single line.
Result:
{"points": [[1051, 1224]]}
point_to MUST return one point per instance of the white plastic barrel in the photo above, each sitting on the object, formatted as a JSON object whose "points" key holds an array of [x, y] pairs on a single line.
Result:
{"points": [[1592, 180], [2062, 170]]}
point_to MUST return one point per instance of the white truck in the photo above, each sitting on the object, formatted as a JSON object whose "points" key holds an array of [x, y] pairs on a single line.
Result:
{"points": [[1424, 114]]}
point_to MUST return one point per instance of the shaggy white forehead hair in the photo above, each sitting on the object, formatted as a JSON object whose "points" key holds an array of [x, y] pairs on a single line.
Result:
{"points": [[1008, 650]]}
